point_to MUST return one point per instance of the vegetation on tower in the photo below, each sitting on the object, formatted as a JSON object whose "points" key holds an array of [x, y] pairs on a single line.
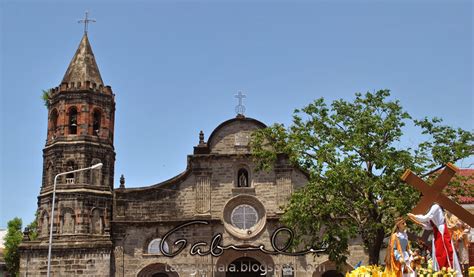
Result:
{"points": [[46, 96]]}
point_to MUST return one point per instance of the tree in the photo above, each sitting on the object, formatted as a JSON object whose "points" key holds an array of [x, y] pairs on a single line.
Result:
{"points": [[354, 158], [33, 228], [13, 239]]}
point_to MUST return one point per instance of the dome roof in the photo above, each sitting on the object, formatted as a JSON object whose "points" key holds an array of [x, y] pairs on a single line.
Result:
{"points": [[233, 133]]}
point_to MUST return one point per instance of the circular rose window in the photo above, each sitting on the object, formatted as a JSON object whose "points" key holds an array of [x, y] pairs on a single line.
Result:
{"points": [[244, 217]]}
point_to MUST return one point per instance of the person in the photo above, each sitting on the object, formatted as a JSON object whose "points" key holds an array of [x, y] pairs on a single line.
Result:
{"points": [[442, 247], [460, 237], [398, 255], [416, 260]]}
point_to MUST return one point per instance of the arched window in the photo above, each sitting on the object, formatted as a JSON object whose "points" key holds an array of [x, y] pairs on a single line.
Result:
{"points": [[96, 222], [243, 178], [154, 247], [73, 121], [70, 177], [96, 174], [96, 118], [44, 225], [50, 175], [67, 221], [54, 122]]}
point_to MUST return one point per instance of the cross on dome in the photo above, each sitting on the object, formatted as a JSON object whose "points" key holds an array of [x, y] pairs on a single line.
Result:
{"points": [[240, 108]]}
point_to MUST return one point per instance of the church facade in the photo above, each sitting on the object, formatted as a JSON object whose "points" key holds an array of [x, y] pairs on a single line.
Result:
{"points": [[175, 228]]}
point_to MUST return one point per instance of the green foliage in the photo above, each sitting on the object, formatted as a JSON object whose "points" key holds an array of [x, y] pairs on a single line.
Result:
{"points": [[446, 144], [33, 228], [13, 239], [46, 96], [352, 153]]}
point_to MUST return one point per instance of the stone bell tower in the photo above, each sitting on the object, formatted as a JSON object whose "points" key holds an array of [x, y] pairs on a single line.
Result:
{"points": [[80, 134]]}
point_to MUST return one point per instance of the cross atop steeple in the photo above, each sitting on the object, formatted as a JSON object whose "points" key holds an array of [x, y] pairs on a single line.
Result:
{"points": [[86, 21], [240, 108]]}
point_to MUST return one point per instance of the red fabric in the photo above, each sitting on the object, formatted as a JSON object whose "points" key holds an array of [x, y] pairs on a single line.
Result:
{"points": [[443, 243]]}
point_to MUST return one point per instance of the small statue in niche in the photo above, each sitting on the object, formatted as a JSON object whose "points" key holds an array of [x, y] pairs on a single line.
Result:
{"points": [[243, 178]]}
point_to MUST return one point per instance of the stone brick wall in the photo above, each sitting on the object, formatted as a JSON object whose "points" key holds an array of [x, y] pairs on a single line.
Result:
{"points": [[85, 102], [178, 195], [82, 153], [82, 213], [167, 201], [86, 258], [131, 255]]}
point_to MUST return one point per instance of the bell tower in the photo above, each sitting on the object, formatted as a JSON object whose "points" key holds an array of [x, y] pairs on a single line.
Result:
{"points": [[80, 134]]}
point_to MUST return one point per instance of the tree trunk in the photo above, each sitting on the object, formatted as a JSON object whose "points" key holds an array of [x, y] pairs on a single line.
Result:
{"points": [[374, 249]]}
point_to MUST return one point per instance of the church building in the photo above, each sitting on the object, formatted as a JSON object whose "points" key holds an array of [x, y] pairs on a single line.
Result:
{"points": [[172, 228]]}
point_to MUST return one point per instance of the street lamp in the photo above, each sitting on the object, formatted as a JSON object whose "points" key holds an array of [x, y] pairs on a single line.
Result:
{"points": [[96, 166]]}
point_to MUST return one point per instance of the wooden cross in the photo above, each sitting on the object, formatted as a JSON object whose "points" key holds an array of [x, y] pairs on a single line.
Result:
{"points": [[86, 21], [432, 194]]}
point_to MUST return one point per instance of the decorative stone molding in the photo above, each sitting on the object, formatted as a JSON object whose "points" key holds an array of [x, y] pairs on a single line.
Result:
{"points": [[284, 189], [203, 194]]}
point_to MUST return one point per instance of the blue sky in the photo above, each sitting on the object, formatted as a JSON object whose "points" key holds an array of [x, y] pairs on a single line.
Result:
{"points": [[175, 67]]}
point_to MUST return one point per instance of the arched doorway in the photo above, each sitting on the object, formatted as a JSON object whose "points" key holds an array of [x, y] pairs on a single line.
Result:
{"points": [[157, 270], [329, 269], [245, 267], [263, 261], [332, 273]]}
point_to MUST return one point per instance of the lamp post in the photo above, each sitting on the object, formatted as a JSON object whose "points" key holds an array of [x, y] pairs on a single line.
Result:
{"points": [[96, 166]]}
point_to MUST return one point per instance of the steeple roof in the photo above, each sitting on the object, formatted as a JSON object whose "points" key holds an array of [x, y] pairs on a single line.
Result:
{"points": [[83, 66]]}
